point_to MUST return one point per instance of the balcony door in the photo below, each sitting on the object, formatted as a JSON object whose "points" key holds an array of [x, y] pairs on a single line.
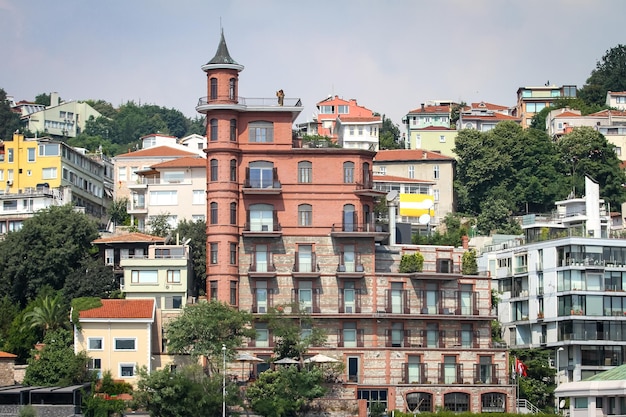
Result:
{"points": [[348, 218], [305, 296], [349, 298], [349, 258], [261, 218], [261, 258], [397, 295], [261, 297], [305, 258]]}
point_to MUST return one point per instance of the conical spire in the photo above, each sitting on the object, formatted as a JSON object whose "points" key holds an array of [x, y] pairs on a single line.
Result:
{"points": [[222, 56]]}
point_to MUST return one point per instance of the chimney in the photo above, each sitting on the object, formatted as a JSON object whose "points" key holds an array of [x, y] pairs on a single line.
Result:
{"points": [[424, 155], [54, 99], [422, 106], [465, 241]]}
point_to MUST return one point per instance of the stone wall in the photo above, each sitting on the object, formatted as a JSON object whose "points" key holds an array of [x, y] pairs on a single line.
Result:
{"points": [[6, 372]]}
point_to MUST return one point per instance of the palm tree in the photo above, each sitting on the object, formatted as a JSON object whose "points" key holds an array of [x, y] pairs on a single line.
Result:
{"points": [[48, 314]]}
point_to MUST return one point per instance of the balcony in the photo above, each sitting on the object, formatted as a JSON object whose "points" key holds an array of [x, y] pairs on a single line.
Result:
{"points": [[450, 373], [261, 185], [350, 266], [358, 230], [345, 339], [262, 265], [366, 188], [272, 229], [306, 266], [352, 306], [397, 338], [486, 374], [262, 306], [301, 302], [414, 373]]}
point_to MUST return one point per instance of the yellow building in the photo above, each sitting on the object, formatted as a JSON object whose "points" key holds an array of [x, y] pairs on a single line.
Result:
{"points": [[31, 165]]}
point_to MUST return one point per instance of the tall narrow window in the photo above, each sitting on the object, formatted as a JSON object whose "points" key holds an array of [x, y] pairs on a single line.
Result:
{"points": [[348, 172], [233, 253], [231, 89], [305, 171], [213, 169], [305, 215], [213, 131], [213, 213], [233, 213], [233, 293], [436, 172], [233, 170], [213, 83], [349, 218], [213, 290], [213, 247], [233, 130]]}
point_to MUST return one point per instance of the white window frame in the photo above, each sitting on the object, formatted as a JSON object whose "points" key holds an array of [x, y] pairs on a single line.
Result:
{"points": [[173, 276], [151, 276], [163, 198], [33, 157], [436, 172], [198, 197], [118, 339], [121, 173], [126, 365], [49, 173], [95, 339]]}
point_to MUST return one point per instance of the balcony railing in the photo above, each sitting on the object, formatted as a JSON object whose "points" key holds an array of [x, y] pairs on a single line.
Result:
{"points": [[352, 307], [414, 373], [450, 373], [249, 101], [306, 264], [486, 374], [359, 342]]}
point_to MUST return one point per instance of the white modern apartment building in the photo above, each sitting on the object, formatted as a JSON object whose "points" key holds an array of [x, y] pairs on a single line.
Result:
{"points": [[563, 287]]}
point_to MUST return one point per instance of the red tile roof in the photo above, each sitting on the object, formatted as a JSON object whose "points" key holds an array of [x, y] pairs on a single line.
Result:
{"points": [[606, 113], [432, 109], [568, 114], [185, 162], [345, 118], [130, 238], [393, 178], [434, 128], [497, 116], [156, 151], [121, 309], [617, 93], [488, 106], [409, 155], [7, 355]]}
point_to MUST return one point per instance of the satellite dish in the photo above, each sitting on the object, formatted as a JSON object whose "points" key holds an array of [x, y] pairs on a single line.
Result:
{"points": [[424, 219], [561, 403], [428, 204], [392, 195]]}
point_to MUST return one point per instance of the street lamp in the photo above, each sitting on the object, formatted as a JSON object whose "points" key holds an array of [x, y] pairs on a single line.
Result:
{"points": [[224, 381], [558, 366]]}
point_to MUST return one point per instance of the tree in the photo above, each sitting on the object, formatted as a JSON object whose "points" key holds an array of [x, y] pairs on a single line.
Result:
{"points": [[9, 121], [455, 112], [389, 135], [20, 340], [287, 330], [469, 265], [202, 329], [538, 386], [186, 392], [43, 99], [196, 231], [586, 152], [48, 248], [8, 311], [609, 75], [49, 313], [160, 225], [118, 213], [286, 391], [90, 278], [411, 263], [56, 363]]}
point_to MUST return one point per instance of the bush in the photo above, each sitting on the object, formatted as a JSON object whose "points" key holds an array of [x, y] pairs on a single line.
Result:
{"points": [[28, 411], [411, 263]]}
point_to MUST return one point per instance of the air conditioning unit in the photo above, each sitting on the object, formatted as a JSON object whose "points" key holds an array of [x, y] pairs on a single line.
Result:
{"points": [[9, 182]]}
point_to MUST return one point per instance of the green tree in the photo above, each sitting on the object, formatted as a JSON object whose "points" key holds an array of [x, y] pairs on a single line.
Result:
{"points": [[159, 225], [196, 231], [49, 313], [90, 278], [455, 113], [48, 248], [186, 392], [389, 135], [411, 263], [287, 330], [286, 391], [8, 311], [56, 363], [469, 266], [105, 108], [202, 329], [9, 121], [538, 386], [118, 213], [20, 340], [609, 75], [586, 152]]}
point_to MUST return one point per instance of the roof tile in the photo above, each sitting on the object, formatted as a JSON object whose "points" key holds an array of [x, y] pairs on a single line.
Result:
{"points": [[121, 309]]}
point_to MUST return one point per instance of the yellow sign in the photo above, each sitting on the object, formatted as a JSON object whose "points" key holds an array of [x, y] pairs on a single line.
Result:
{"points": [[415, 205]]}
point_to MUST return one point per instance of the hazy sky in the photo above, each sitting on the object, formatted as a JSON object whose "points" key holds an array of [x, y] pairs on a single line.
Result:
{"points": [[390, 55]]}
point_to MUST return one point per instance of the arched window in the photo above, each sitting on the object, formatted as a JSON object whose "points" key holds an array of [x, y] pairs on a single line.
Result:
{"points": [[367, 178], [349, 218], [305, 172], [214, 213], [233, 170], [213, 83], [261, 132], [261, 174], [419, 401], [213, 169], [457, 402], [213, 130], [231, 89], [261, 217], [305, 215], [493, 402], [348, 172], [233, 130]]}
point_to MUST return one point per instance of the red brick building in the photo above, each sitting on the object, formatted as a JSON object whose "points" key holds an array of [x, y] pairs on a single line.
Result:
{"points": [[289, 224]]}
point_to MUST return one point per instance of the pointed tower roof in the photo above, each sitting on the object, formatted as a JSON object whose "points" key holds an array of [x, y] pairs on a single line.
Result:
{"points": [[222, 58]]}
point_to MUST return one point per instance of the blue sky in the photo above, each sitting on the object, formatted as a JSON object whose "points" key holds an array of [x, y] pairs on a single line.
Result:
{"points": [[389, 55]]}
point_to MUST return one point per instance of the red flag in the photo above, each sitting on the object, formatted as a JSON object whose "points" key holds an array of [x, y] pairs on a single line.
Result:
{"points": [[520, 368]]}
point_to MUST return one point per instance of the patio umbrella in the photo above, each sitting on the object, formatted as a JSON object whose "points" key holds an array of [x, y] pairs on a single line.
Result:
{"points": [[286, 361], [246, 358], [319, 358]]}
